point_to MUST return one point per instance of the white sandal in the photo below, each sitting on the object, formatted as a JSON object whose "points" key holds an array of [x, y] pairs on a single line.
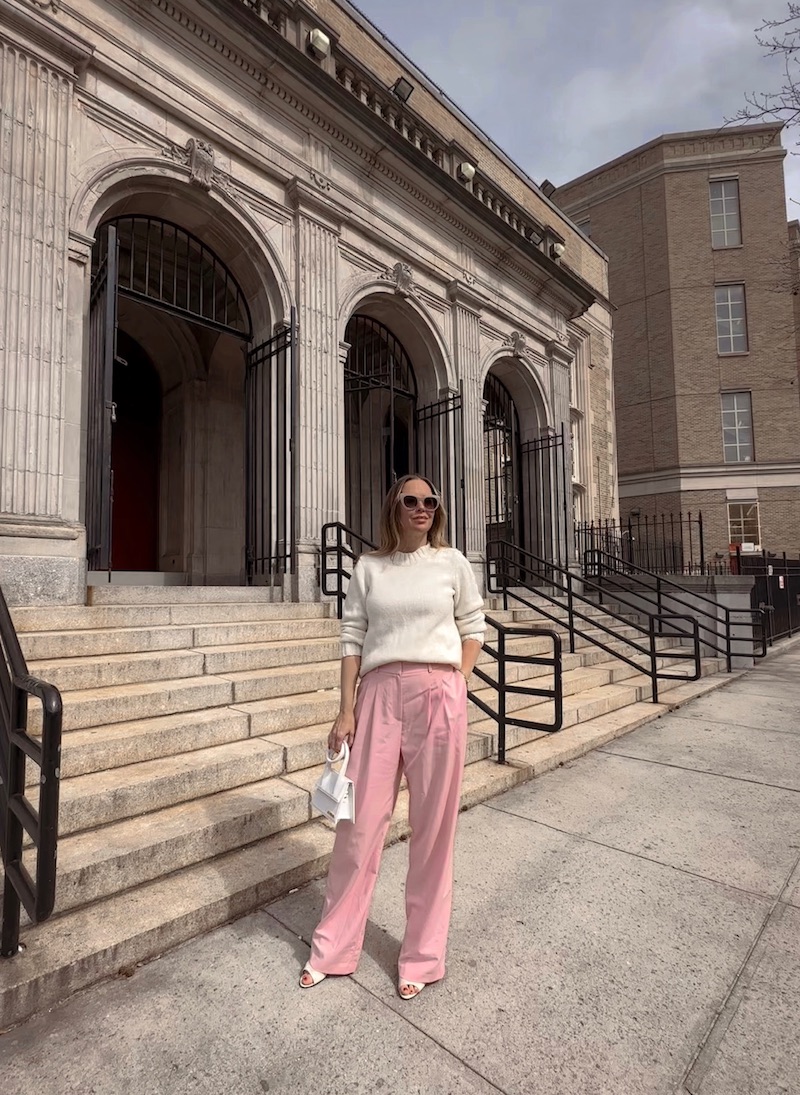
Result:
{"points": [[315, 976], [417, 986]]}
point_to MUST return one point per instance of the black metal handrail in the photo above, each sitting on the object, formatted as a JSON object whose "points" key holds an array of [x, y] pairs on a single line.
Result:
{"points": [[501, 655], [658, 591], [18, 815], [341, 549], [513, 566]]}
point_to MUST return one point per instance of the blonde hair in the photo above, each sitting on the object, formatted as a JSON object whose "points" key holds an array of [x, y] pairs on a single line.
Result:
{"points": [[389, 528]]}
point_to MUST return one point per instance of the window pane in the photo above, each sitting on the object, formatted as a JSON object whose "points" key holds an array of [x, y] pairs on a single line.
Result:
{"points": [[743, 523], [724, 208], [737, 427], [731, 319]]}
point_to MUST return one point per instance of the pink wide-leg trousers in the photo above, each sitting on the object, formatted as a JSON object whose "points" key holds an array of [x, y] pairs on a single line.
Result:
{"points": [[410, 717]]}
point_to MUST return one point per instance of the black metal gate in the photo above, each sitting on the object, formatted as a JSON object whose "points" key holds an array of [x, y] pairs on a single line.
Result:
{"points": [[387, 435], [380, 399], [501, 464], [440, 457], [100, 405], [546, 497], [525, 483], [270, 400]]}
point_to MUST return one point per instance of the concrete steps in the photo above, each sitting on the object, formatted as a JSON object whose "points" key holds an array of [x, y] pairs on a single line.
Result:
{"points": [[116, 932], [195, 728]]}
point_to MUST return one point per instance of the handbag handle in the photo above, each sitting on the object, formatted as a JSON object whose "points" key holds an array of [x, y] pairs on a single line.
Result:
{"points": [[343, 755]]}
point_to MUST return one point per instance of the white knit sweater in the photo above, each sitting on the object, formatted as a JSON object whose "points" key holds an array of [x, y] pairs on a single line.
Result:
{"points": [[411, 607]]}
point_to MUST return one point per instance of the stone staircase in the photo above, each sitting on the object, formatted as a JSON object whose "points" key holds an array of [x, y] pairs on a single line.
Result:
{"points": [[194, 729]]}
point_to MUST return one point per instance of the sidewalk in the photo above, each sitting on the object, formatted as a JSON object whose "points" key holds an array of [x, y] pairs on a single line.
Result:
{"points": [[626, 925]]}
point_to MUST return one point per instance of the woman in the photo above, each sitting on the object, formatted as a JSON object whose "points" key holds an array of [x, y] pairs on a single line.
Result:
{"points": [[413, 626]]}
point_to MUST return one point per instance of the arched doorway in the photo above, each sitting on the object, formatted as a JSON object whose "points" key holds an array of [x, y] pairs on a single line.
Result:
{"points": [[502, 463], [390, 429], [170, 355], [380, 392], [526, 497]]}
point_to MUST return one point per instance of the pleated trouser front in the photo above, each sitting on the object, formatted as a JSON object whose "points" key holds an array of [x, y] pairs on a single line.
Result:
{"points": [[412, 718]]}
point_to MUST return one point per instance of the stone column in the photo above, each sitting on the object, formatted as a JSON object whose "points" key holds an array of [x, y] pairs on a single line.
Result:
{"points": [[466, 308], [319, 440], [42, 546], [560, 359]]}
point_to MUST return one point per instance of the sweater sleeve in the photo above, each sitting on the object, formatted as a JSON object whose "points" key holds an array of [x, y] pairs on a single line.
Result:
{"points": [[470, 619], [354, 616]]}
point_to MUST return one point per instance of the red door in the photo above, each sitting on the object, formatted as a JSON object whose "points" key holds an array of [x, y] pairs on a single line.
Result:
{"points": [[135, 461]]}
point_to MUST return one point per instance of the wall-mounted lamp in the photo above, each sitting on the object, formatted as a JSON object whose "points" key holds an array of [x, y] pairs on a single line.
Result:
{"points": [[547, 188], [402, 88], [557, 250], [466, 171], [319, 44]]}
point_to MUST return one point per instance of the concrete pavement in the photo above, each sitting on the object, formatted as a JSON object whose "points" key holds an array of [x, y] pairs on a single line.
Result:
{"points": [[627, 924]]}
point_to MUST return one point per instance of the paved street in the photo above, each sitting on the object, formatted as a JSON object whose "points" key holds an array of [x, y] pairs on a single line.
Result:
{"points": [[628, 924]]}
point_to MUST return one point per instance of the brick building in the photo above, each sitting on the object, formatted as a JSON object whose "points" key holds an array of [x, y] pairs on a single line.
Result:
{"points": [[701, 272], [257, 264]]}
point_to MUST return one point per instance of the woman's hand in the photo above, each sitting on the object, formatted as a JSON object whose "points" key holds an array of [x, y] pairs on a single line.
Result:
{"points": [[343, 729]]}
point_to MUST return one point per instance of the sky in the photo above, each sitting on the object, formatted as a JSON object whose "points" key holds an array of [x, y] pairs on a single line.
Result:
{"points": [[567, 85]]}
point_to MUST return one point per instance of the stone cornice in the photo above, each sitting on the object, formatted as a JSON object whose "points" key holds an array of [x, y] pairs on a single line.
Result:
{"points": [[494, 215], [683, 152], [711, 477], [35, 29]]}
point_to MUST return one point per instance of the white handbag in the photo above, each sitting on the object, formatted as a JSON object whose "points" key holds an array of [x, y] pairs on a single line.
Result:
{"points": [[334, 794]]}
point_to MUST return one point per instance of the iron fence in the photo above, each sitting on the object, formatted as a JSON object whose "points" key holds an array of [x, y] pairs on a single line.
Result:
{"points": [[776, 590], [667, 543]]}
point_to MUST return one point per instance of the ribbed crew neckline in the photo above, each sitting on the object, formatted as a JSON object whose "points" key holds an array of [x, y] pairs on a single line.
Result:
{"points": [[409, 558]]}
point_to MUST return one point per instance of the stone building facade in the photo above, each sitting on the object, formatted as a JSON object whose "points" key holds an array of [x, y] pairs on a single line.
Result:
{"points": [[702, 275], [247, 278]]}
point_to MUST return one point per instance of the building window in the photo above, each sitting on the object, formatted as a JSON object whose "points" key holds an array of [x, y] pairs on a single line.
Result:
{"points": [[743, 523], [737, 427], [731, 319], [726, 227]]}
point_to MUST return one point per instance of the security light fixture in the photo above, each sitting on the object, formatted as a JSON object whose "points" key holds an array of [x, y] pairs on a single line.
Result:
{"points": [[319, 44], [548, 188], [402, 88], [557, 250], [466, 171]]}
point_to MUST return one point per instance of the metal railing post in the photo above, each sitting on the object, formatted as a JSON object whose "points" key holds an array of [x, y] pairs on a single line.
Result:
{"points": [[12, 853], [653, 659], [571, 615], [501, 698]]}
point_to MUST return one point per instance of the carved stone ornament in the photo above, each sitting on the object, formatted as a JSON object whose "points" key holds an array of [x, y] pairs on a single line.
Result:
{"points": [[198, 156], [201, 163], [469, 279], [46, 5], [517, 343], [319, 180], [401, 275]]}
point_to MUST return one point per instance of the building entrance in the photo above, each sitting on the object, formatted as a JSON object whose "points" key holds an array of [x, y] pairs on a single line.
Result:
{"points": [[525, 484], [389, 434], [173, 438]]}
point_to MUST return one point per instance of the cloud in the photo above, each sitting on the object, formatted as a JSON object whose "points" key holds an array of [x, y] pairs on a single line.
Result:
{"points": [[564, 87]]}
